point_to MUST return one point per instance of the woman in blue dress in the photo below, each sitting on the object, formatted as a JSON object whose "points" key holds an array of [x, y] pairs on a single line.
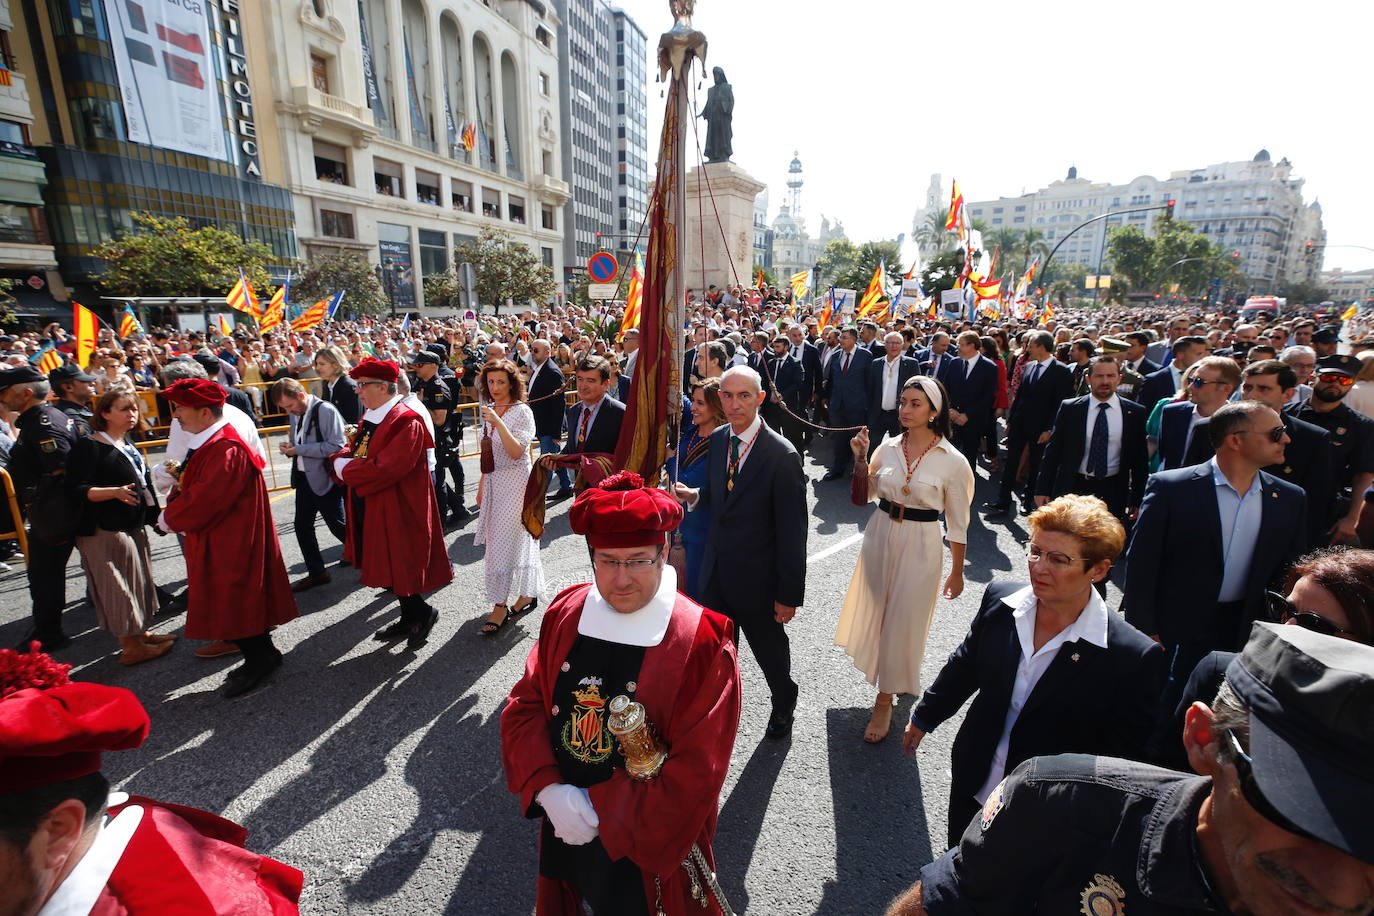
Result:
{"points": [[707, 416]]}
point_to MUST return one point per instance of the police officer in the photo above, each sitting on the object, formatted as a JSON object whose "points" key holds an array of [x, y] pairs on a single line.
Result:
{"points": [[434, 392], [1131, 381], [75, 389], [1352, 439], [1277, 822], [38, 462]]}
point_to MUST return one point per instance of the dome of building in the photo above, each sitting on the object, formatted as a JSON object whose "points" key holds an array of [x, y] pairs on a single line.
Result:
{"points": [[1073, 173], [1262, 156]]}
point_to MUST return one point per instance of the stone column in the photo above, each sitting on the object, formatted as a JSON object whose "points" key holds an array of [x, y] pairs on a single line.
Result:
{"points": [[732, 190]]}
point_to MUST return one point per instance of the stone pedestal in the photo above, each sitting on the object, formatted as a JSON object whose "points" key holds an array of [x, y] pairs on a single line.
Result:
{"points": [[733, 191]]}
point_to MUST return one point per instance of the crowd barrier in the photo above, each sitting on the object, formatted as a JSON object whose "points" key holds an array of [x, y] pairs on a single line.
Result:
{"points": [[16, 532]]}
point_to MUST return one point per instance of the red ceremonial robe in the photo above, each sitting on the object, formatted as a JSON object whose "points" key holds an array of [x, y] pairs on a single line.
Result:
{"points": [[403, 537], [236, 579], [186, 862], [689, 685]]}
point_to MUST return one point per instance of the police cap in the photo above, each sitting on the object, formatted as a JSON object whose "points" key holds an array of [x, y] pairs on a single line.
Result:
{"points": [[20, 375]]}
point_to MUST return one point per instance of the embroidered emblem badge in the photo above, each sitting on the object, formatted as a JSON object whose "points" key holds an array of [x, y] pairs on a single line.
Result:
{"points": [[1104, 896]]}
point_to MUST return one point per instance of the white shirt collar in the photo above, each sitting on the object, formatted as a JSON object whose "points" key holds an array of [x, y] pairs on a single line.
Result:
{"points": [[1219, 478], [892, 360], [1113, 402], [200, 438], [1045, 363], [749, 433], [378, 414], [1090, 625], [77, 894], [644, 627]]}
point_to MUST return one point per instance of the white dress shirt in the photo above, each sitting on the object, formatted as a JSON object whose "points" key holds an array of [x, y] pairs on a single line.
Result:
{"points": [[79, 891], [1089, 626], [591, 421], [747, 439], [969, 363], [890, 367], [1037, 369], [178, 441], [1115, 420], [1241, 516]]}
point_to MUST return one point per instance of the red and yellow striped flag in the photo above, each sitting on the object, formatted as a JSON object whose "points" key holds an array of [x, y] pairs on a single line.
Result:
{"points": [[241, 298], [84, 324], [46, 359], [224, 329], [276, 308], [873, 295], [634, 296], [128, 323], [956, 208]]}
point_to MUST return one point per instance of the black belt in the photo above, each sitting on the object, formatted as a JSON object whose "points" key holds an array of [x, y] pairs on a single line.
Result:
{"points": [[908, 513], [1090, 478]]}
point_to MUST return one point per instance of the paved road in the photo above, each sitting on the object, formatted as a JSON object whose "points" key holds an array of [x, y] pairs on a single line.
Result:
{"points": [[377, 771]]}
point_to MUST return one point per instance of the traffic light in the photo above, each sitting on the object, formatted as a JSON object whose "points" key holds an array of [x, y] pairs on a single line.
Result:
{"points": [[1169, 212]]}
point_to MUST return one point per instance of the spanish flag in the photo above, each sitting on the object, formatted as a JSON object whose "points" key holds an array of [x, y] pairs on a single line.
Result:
{"points": [[276, 308], [956, 208], [1350, 312], [84, 324], [241, 298], [873, 295], [224, 329], [128, 322], [634, 296]]}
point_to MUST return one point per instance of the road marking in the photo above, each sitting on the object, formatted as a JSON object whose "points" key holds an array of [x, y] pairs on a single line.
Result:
{"points": [[836, 548]]}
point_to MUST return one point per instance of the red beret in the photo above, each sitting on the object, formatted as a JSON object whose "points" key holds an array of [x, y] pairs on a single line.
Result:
{"points": [[622, 512], [195, 392], [383, 370], [52, 730]]}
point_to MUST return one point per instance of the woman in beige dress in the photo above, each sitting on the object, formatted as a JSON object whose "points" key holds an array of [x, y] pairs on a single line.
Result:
{"points": [[891, 598]]}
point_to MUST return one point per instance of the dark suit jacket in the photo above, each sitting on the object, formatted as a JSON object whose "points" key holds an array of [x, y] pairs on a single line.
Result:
{"points": [[240, 399], [931, 364], [787, 377], [1175, 451], [344, 397], [974, 395], [1147, 368], [548, 413], [1069, 443], [1308, 461], [94, 463], [1035, 406], [849, 390], [875, 347], [811, 371], [756, 550], [604, 432], [1091, 700], [1158, 386], [906, 368], [1174, 564]]}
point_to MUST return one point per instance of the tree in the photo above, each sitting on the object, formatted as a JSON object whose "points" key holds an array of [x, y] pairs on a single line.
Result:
{"points": [[1031, 244], [506, 269], [838, 257], [941, 272], [1008, 240], [8, 303], [442, 290], [866, 259], [351, 273], [1176, 253], [932, 233], [164, 256], [768, 276], [1306, 292]]}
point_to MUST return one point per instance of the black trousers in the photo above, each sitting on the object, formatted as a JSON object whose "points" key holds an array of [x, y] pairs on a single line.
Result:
{"points": [[258, 651], [844, 458], [309, 504], [968, 439], [1111, 490], [47, 574], [1224, 634], [768, 641], [447, 461], [781, 422], [887, 425], [1016, 443]]}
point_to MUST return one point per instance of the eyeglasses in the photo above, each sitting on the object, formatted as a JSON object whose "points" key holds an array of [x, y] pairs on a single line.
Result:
{"points": [[1198, 382], [1245, 773], [1286, 612], [1057, 560], [606, 564], [1275, 435]]}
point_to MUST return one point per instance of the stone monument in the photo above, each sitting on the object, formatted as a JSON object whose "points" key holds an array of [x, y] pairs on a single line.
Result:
{"points": [[720, 201]]}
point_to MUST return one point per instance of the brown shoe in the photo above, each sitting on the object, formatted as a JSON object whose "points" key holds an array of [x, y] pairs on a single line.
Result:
{"points": [[217, 649], [158, 639], [309, 582], [144, 653]]}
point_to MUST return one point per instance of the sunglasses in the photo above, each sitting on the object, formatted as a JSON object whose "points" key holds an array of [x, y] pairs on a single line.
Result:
{"points": [[1335, 378], [1275, 435], [1196, 382], [1286, 611], [1245, 772]]}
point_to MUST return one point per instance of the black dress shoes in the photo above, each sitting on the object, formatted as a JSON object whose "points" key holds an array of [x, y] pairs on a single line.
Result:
{"points": [[832, 475], [398, 630], [309, 582], [780, 721], [419, 632], [564, 493], [248, 677], [50, 643], [995, 509]]}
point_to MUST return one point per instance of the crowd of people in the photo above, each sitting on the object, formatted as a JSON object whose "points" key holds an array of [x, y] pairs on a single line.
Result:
{"points": [[1218, 471]]}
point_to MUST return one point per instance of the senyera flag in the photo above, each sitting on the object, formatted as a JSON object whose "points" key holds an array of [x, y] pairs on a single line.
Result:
{"points": [[634, 296], [47, 359], [128, 322], [317, 313], [276, 308], [241, 298]]}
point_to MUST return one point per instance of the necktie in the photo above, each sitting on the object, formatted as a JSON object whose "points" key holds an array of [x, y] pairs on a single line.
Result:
{"points": [[582, 427], [796, 352], [733, 467], [1097, 448], [1033, 375], [844, 366], [968, 368]]}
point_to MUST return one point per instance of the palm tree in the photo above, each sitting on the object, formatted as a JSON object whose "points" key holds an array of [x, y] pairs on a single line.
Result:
{"points": [[1008, 240], [1032, 244], [932, 235]]}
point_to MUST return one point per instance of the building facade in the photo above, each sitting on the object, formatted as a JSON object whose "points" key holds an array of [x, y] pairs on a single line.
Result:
{"points": [[1347, 286], [1252, 207], [793, 248], [763, 233], [373, 105], [631, 132]]}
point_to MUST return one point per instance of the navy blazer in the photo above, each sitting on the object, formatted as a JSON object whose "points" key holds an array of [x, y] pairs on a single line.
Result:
{"points": [[1175, 451], [1174, 563], [756, 550], [604, 432], [1069, 443], [1308, 463], [974, 395], [1158, 386], [932, 365], [906, 368], [849, 390], [344, 396], [1035, 407], [786, 375], [1091, 700], [811, 371], [548, 413]]}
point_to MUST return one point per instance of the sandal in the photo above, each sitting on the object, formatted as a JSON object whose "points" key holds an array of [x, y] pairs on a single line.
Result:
{"points": [[522, 610], [880, 723], [492, 627]]}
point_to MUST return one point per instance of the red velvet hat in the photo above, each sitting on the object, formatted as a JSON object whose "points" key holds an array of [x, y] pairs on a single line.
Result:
{"points": [[195, 392], [51, 729], [622, 512], [383, 370]]}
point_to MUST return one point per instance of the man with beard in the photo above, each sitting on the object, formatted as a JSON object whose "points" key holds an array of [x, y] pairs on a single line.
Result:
{"points": [[1352, 440], [1276, 823]]}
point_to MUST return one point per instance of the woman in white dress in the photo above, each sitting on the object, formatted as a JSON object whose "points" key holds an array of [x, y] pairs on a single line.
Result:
{"points": [[511, 562], [891, 598]]}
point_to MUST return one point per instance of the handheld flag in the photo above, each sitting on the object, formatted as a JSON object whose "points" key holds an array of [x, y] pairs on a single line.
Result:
{"points": [[316, 313], [760, 283], [956, 208], [1350, 312], [276, 308], [47, 359], [800, 283], [128, 322], [241, 298], [634, 296], [84, 325], [874, 294], [405, 323], [224, 329]]}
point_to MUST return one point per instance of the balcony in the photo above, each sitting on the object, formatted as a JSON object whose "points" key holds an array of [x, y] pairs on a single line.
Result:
{"points": [[551, 190], [14, 97], [315, 109]]}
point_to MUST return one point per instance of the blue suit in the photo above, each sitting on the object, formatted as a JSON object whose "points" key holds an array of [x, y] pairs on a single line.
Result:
{"points": [[971, 393], [848, 401]]}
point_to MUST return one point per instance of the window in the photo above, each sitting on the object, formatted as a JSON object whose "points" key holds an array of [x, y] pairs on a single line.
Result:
{"points": [[433, 253], [547, 254], [387, 177], [516, 206], [491, 203], [336, 224], [426, 187], [331, 163], [319, 73], [461, 194], [546, 162], [547, 220], [544, 84]]}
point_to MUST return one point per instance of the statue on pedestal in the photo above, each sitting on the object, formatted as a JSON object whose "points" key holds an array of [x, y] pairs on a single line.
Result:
{"points": [[718, 112]]}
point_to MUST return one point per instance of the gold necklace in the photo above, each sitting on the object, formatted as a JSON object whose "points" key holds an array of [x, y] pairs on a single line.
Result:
{"points": [[911, 468]]}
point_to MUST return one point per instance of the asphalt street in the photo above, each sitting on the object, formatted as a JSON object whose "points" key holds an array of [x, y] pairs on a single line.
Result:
{"points": [[377, 771]]}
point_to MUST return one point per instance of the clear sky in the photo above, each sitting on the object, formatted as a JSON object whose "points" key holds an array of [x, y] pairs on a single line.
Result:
{"points": [[1005, 96]]}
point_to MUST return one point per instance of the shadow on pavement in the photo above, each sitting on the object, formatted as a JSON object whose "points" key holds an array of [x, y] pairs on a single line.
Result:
{"points": [[741, 819]]}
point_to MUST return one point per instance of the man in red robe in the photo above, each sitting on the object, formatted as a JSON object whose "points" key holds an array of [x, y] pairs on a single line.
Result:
{"points": [[236, 580], [395, 536], [624, 846], [67, 845]]}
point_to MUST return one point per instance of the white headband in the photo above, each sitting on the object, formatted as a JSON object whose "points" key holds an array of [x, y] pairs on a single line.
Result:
{"points": [[931, 389]]}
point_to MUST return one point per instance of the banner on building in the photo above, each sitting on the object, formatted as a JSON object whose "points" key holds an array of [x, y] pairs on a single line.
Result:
{"points": [[374, 97], [167, 75], [398, 274]]}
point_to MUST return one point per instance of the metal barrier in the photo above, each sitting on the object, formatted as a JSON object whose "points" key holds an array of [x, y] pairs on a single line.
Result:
{"points": [[265, 434], [16, 518]]}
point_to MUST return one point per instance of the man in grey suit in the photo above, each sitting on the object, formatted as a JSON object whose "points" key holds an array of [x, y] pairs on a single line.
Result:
{"points": [[317, 432]]}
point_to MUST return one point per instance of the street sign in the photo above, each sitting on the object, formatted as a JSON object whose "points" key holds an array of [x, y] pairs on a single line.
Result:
{"points": [[470, 320], [602, 290], [602, 267]]}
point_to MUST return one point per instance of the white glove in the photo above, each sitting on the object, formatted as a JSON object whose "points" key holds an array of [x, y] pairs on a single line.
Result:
{"points": [[570, 810], [340, 464], [162, 481]]}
